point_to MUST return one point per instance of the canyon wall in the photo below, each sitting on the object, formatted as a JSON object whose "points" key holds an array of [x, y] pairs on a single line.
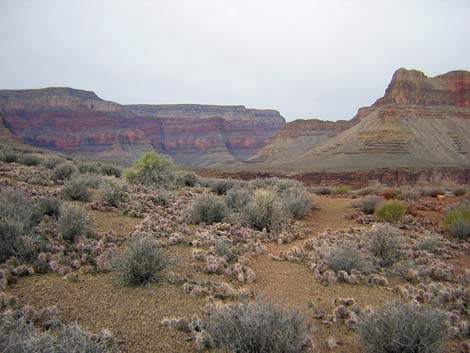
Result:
{"points": [[77, 121]]}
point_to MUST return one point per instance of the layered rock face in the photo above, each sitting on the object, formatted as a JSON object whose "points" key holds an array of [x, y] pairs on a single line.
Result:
{"points": [[77, 121], [421, 122], [299, 136]]}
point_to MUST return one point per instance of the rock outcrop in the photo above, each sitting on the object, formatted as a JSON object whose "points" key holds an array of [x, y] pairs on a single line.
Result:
{"points": [[420, 122], [77, 121]]}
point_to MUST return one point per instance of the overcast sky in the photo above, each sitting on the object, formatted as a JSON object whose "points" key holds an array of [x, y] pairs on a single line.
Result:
{"points": [[305, 58]]}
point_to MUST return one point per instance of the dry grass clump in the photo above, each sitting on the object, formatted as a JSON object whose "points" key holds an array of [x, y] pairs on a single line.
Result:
{"points": [[322, 190], [152, 170], [257, 327], [391, 211], [140, 263], [386, 245], [342, 189], [403, 328], [367, 204], [208, 209], [73, 222]]}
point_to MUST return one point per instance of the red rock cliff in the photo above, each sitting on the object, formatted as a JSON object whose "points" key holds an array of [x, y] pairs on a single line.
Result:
{"points": [[79, 121]]}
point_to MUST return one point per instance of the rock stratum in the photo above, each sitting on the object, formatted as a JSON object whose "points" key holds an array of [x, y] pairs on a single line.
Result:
{"points": [[421, 122], [79, 122]]}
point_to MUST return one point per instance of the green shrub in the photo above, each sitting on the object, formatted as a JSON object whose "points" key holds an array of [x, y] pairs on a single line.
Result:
{"points": [[140, 263], [152, 170], [391, 211], [208, 209], [73, 221], [403, 328], [457, 220], [8, 156], [17, 218], [111, 170], [237, 198], [297, 201], [367, 204], [343, 189], [257, 327], [188, 178], [386, 245], [89, 167], [347, 257], [460, 190], [29, 160], [430, 243], [51, 162], [112, 194], [322, 190], [49, 206], [17, 335], [265, 211], [64, 171], [221, 186], [76, 189]]}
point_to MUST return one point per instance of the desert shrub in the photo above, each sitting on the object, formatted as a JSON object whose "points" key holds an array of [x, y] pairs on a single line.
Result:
{"points": [[237, 198], [17, 218], [88, 167], [17, 335], [342, 189], [257, 327], [223, 248], [391, 211], [152, 170], [265, 211], [111, 170], [347, 257], [368, 190], [221, 186], [403, 328], [140, 263], [29, 160], [386, 245], [9, 156], [64, 171], [187, 178], [408, 195], [457, 220], [297, 201], [51, 162], [460, 190], [432, 192], [208, 209], [460, 229], [76, 189], [49, 206], [73, 221], [323, 190], [90, 180], [112, 194], [430, 243], [367, 204]]}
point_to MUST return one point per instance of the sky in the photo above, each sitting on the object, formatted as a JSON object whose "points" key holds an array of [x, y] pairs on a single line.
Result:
{"points": [[305, 58]]}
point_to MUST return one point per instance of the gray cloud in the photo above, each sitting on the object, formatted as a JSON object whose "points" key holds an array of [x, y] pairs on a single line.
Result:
{"points": [[305, 58]]}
